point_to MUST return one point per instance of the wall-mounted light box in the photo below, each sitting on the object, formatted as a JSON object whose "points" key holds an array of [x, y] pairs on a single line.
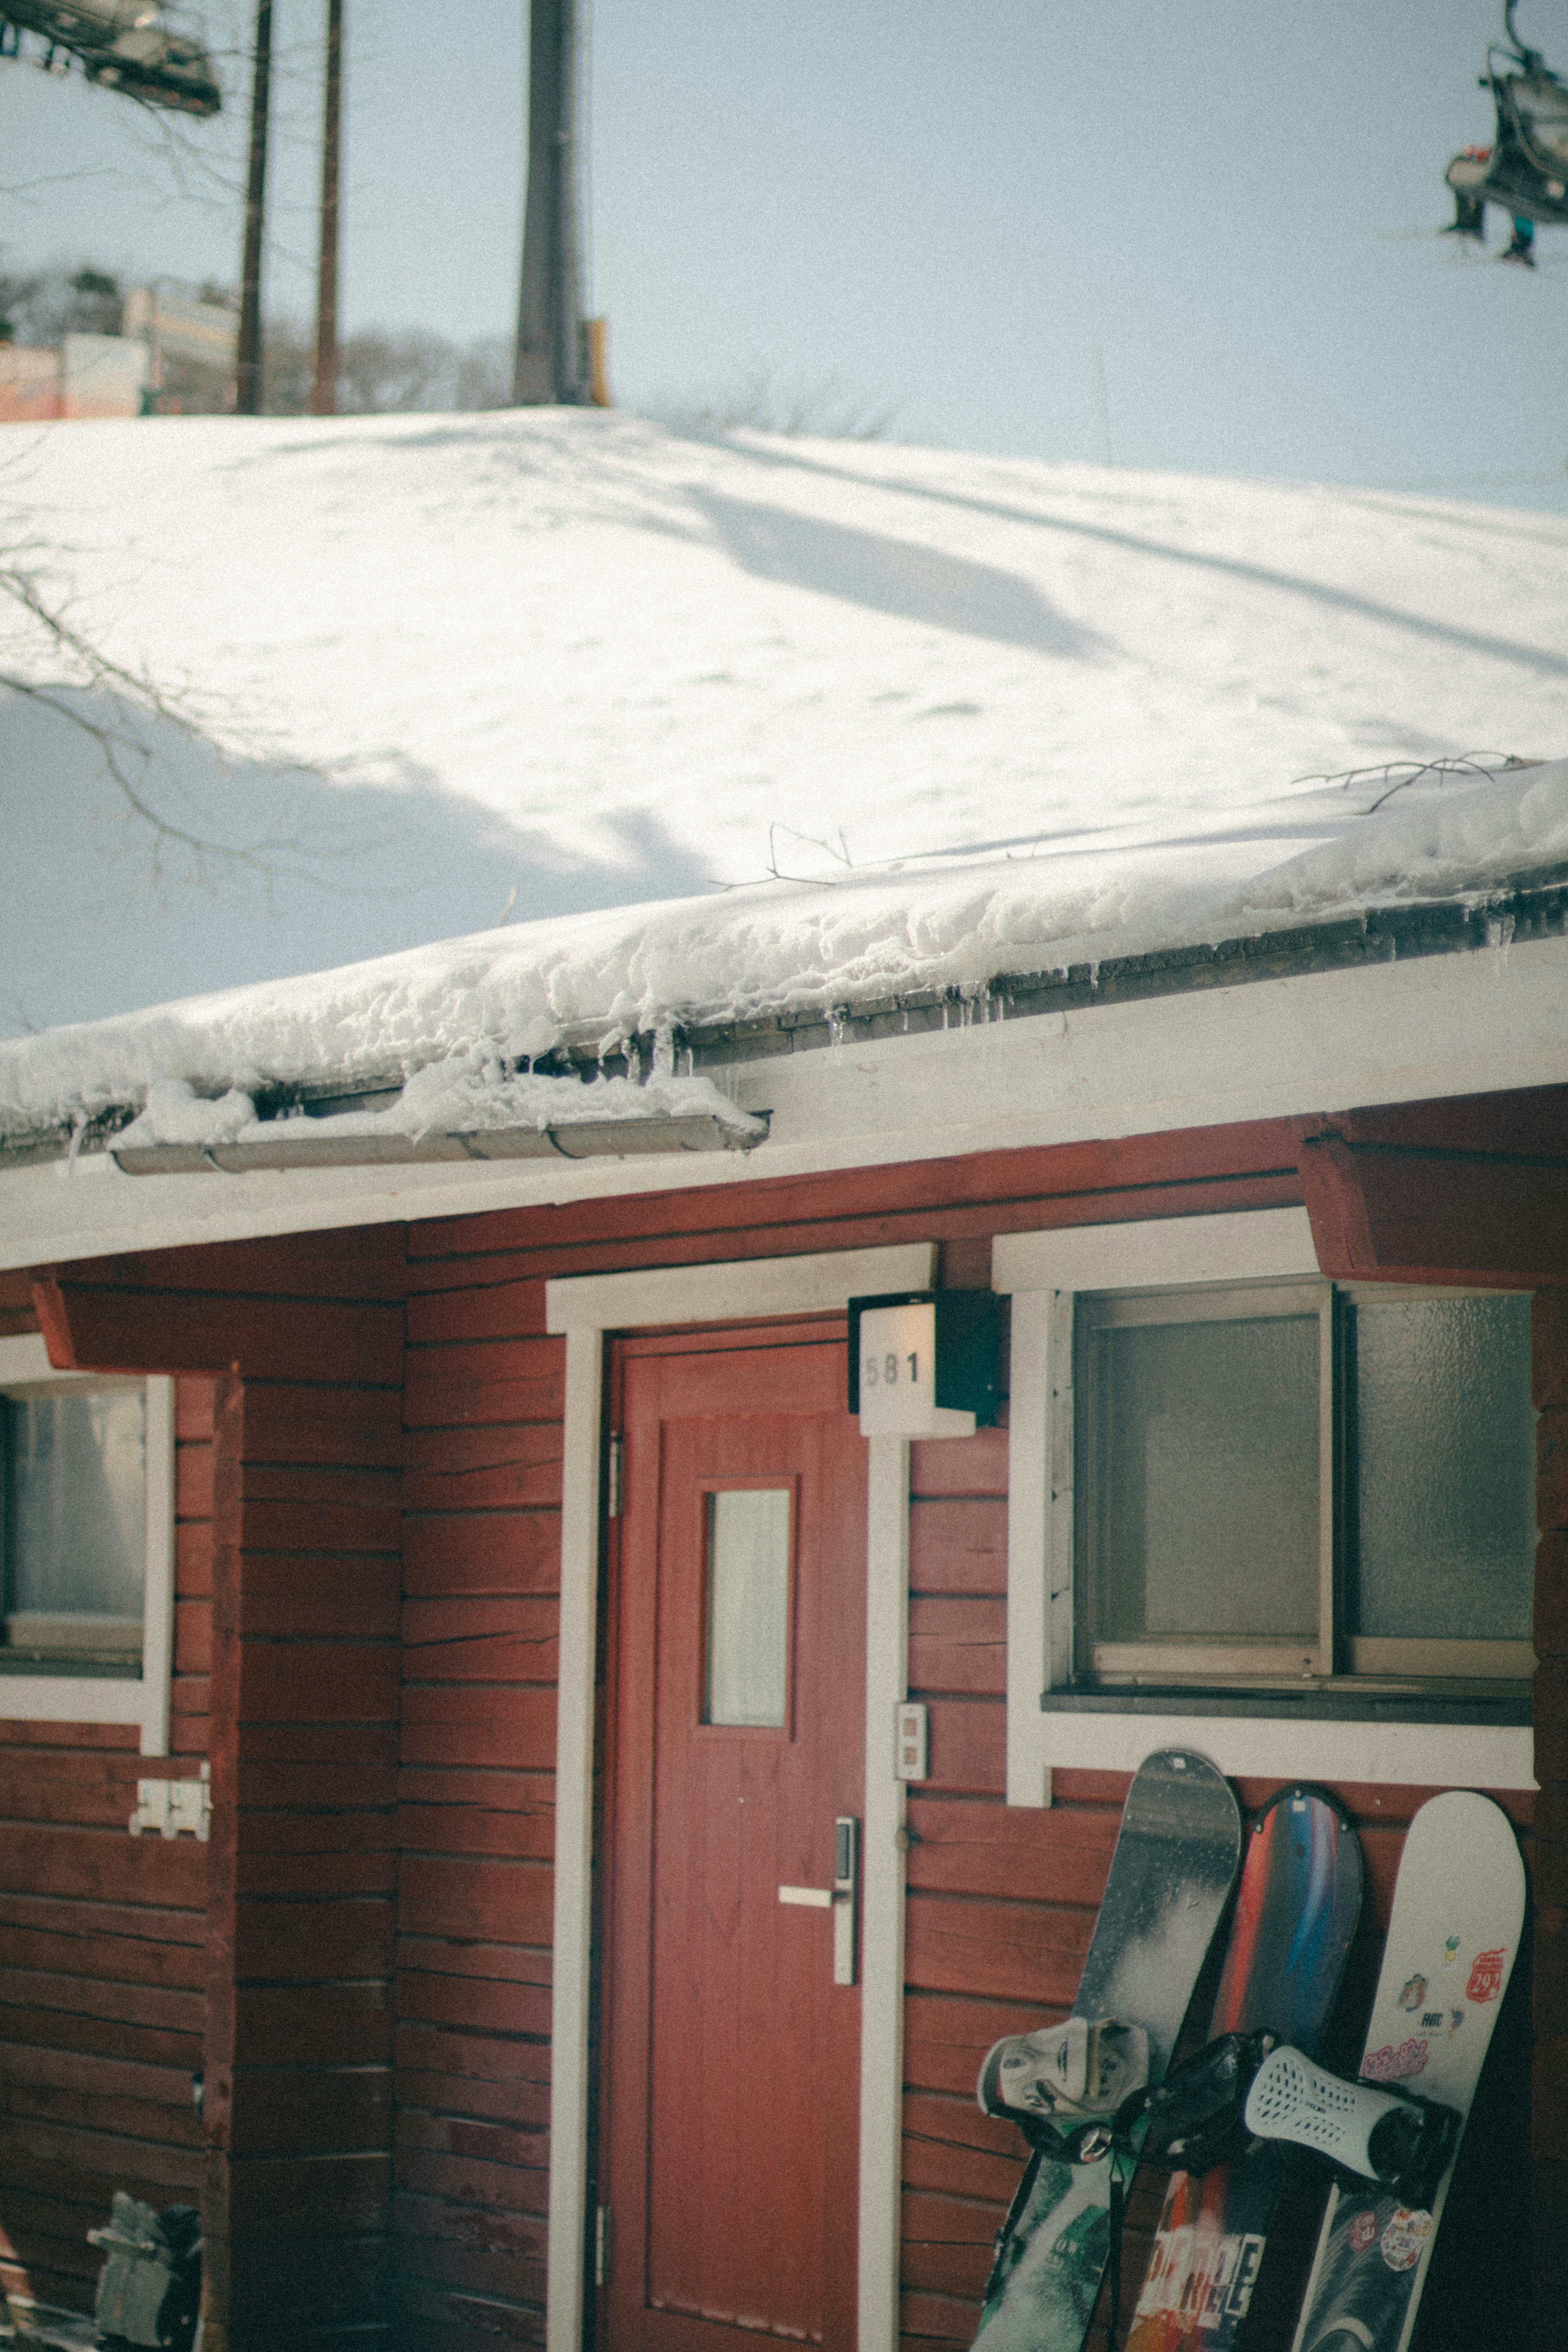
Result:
{"points": [[924, 1363]]}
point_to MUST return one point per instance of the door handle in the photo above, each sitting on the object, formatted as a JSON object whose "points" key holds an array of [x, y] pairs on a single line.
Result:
{"points": [[839, 1898]]}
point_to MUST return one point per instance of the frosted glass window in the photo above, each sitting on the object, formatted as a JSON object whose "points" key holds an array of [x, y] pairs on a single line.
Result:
{"points": [[747, 1644], [74, 1469], [1445, 1471], [1202, 1459]]}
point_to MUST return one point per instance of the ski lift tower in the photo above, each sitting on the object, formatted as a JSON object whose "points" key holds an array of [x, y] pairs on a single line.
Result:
{"points": [[551, 363]]}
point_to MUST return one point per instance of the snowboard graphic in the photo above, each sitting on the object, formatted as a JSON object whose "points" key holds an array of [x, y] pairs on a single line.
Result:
{"points": [[1459, 1906], [1170, 1880], [1295, 1916]]}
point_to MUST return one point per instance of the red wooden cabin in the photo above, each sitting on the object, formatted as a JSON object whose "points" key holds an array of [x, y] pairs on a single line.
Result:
{"points": [[539, 1608]]}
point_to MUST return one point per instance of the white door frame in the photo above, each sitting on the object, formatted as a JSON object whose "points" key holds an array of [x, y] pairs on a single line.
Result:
{"points": [[584, 1308]]}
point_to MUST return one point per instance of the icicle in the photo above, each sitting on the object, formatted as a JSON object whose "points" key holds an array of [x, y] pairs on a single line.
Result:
{"points": [[1500, 936]]}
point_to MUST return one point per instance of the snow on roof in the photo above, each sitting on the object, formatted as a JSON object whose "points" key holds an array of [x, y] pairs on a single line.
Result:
{"points": [[988, 715], [948, 923]]}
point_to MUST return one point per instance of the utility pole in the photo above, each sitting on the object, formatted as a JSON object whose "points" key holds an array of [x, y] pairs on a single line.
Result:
{"points": [[324, 390], [551, 363], [247, 360]]}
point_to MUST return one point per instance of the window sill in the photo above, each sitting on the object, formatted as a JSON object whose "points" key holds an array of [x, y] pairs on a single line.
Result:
{"points": [[1320, 1704], [73, 1662]]}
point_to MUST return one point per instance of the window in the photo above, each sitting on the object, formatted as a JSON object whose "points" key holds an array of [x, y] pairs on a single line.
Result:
{"points": [[1291, 1482], [73, 1523], [1289, 1524], [86, 1545]]}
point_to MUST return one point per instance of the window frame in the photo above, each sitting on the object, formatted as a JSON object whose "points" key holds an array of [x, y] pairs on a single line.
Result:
{"points": [[43, 1693], [1266, 1729]]}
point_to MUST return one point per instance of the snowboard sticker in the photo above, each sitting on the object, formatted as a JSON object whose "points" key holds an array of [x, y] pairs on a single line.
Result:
{"points": [[1170, 1880], [1458, 1907], [1295, 1916]]}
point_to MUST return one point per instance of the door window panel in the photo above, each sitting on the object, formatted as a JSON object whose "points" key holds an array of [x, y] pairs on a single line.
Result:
{"points": [[1445, 1470], [746, 1649]]}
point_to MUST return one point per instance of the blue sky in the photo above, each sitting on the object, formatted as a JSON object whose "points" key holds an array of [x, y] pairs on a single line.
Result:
{"points": [[951, 208]]}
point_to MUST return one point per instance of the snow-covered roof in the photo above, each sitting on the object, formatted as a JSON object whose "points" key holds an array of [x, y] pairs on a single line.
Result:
{"points": [[520, 994], [980, 717]]}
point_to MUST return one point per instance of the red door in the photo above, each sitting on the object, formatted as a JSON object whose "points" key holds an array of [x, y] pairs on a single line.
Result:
{"points": [[737, 1696]]}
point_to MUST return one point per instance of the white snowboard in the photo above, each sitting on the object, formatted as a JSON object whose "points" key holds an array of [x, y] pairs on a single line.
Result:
{"points": [[1458, 1907]]}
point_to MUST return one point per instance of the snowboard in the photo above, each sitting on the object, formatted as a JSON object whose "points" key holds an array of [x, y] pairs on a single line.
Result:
{"points": [[1296, 1912], [1171, 1877], [1458, 1907]]}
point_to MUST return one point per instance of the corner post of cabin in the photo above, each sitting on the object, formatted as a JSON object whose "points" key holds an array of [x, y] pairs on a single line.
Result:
{"points": [[571, 1956], [1548, 2121], [881, 2015]]}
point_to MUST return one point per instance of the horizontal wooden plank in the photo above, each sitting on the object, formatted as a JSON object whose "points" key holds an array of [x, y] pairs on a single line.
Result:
{"points": [[266, 1781], [101, 2110], [468, 1829], [946, 2036], [308, 2111], [316, 1743], [483, 1469], [194, 1470], [293, 1421], [336, 1262], [969, 1744], [318, 1524], [488, 1658], [497, 1310], [28, 2146], [487, 2007], [488, 1787], [193, 1558], [485, 1380], [74, 2070], [192, 1637], [306, 1942], [932, 2319], [342, 1829], [499, 2059], [479, 1724], [103, 1866], [117, 1328], [309, 2196], [472, 1955], [960, 1465], [344, 2023], [522, 2106], [426, 2219], [958, 1544], [958, 1643], [302, 1874], [461, 2135], [449, 2322], [320, 1682], [472, 2181], [1003, 1950], [317, 1595], [490, 1551], [961, 2171], [90, 1790], [500, 2273], [103, 2037], [1059, 1856], [940, 2269], [959, 2122], [946, 2219], [448, 1896], [128, 1960]]}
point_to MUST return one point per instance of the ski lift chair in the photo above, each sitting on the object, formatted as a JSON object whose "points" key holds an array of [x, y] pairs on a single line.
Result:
{"points": [[1525, 170]]}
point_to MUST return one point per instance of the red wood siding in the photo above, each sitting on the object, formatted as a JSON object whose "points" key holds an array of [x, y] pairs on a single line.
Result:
{"points": [[102, 1947], [1550, 2123], [476, 1813]]}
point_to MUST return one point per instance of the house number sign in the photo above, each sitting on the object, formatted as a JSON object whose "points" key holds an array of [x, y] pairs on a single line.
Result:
{"points": [[922, 1364]]}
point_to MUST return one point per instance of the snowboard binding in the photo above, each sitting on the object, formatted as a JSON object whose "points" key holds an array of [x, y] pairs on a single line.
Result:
{"points": [[1064, 2083], [1246, 2088]]}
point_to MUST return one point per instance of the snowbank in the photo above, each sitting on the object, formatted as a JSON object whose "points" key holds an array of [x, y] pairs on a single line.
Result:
{"points": [[463, 1011]]}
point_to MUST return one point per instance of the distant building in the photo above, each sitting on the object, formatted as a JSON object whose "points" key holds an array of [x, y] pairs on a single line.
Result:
{"points": [[85, 375], [190, 339]]}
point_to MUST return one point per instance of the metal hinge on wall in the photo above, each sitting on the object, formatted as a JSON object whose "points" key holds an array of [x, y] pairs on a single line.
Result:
{"points": [[603, 2223], [173, 1806], [617, 1458]]}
